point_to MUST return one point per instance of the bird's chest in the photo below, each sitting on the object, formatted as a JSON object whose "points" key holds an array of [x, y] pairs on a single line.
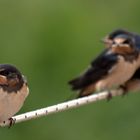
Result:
{"points": [[123, 71], [10, 103]]}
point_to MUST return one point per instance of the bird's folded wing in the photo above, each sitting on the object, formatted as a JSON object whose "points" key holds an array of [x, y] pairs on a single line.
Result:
{"points": [[99, 68]]}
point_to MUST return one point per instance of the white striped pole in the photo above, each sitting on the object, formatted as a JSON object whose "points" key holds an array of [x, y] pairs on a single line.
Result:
{"points": [[62, 106]]}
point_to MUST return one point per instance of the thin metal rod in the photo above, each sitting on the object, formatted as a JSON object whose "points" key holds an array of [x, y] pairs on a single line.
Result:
{"points": [[62, 106]]}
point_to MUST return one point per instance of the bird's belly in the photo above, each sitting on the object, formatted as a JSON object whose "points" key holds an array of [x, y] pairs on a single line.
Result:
{"points": [[10, 103], [121, 73]]}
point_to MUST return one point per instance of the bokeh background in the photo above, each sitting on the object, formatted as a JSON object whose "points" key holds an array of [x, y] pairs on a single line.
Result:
{"points": [[51, 41]]}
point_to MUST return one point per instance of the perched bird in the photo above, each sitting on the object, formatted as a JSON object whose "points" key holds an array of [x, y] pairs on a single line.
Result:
{"points": [[112, 68], [134, 83], [13, 91]]}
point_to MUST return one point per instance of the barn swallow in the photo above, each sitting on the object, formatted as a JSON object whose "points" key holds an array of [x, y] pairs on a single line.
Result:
{"points": [[134, 83], [112, 68], [13, 91]]}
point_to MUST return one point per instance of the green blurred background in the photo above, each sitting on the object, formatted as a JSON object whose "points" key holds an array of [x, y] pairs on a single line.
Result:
{"points": [[51, 41]]}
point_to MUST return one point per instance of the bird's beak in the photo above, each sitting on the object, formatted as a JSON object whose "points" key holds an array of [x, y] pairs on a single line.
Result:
{"points": [[106, 40], [3, 80], [116, 45]]}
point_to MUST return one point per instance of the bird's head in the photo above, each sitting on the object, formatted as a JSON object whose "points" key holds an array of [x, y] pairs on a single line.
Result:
{"points": [[123, 44], [10, 78], [108, 40]]}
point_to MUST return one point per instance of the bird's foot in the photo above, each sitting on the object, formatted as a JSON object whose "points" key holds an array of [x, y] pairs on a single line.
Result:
{"points": [[11, 122], [109, 96]]}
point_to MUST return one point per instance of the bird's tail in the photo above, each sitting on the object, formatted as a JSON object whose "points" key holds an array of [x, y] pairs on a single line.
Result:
{"points": [[76, 83]]}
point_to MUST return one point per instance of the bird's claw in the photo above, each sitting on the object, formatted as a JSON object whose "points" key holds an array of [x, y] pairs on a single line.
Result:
{"points": [[109, 96], [11, 122]]}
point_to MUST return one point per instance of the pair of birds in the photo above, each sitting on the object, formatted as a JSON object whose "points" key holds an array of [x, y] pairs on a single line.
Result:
{"points": [[117, 66]]}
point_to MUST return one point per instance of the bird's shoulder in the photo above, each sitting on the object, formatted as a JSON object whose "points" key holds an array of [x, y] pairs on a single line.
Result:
{"points": [[105, 60], [100, 67]]}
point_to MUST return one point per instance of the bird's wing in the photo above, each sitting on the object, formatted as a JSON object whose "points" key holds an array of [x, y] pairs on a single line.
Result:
{"points": [[99, 68]]}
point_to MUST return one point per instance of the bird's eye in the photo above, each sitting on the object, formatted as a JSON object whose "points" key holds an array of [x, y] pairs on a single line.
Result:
{"points": [[113, 42], [5, 73], [126, 41]]}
